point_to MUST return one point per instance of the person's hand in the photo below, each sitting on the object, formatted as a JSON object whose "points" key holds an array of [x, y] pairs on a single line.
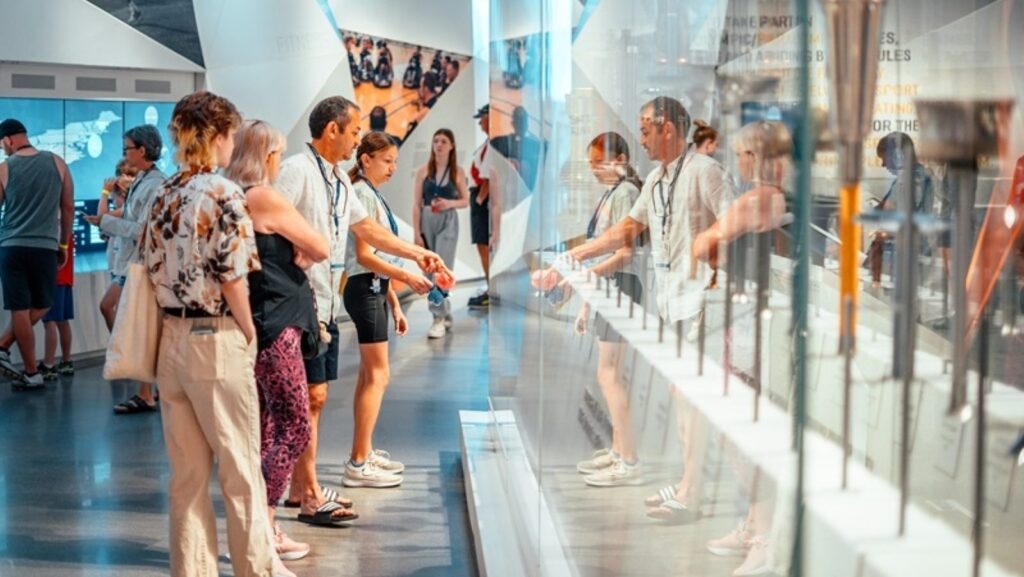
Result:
{"points": [[418, 239], [62, 257], [93, 219], [110, 185], [430, 262], [705, 244], [493, 244], [545, 279], [401, 323], [581, 321], [480, 199], [420, 284], [302, 261], [441, 204]]}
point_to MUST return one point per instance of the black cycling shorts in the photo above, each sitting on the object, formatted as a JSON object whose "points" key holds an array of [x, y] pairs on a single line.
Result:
{"points": [[367, 309]]}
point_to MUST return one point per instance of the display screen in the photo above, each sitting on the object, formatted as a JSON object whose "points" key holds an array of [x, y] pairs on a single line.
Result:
{"points": [[89, 136]]}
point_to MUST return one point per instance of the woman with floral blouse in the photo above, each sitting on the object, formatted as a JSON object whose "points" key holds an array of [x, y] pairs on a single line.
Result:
{"points": [[199, 248]]}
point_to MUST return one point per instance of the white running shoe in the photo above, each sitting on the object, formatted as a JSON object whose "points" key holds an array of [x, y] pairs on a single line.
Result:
{"points": [[602, 459], [448, 321], [7, 367], [287, 548], [757, 562], [369, 475], [735, 544], [383, 460], [437, 329], [619, 474]]}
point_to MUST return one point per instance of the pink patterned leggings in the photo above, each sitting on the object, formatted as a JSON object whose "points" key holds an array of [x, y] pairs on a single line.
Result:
{"points": [[284, 410]]}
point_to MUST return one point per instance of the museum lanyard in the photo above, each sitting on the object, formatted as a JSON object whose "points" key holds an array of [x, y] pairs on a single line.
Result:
{"points": [[387, 209], [438, 183], [331, 201], [592, 227], [666, 203], [135, 184]]}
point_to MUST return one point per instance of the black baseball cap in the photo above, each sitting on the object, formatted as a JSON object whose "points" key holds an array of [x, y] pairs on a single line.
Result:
{"points": [[484, 110], [10, 127]]}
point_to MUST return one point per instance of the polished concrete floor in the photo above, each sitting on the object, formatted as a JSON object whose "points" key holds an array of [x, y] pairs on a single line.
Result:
{"points": [[83, 492]]}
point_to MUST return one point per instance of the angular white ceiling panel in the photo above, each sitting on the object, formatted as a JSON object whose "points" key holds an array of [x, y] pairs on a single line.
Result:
{"points": [[339, 83], [443, 24], [82, 35], [271, 60]]}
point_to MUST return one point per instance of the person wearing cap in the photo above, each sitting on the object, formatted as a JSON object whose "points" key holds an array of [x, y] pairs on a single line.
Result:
{"points": [[479, 205], [37, 196]]}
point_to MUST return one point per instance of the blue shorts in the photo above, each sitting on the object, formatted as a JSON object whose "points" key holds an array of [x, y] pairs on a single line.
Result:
{"points": [[63, 308]]}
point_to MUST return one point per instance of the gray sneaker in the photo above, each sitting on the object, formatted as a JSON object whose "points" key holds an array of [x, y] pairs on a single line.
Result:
{"points": [[369, 475], [601, 460], [26, 382], [618, 475], [7, 367], [383, 460]]}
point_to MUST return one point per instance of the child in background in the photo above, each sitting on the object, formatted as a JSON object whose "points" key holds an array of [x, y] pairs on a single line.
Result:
{"points": [[57, 323]]}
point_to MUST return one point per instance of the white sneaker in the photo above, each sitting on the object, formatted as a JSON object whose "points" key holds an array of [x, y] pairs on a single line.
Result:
{"points": [[437, 329], [617, 475], [448, 321], [383, 460], [736, 543], [602, 459], [7, 367], [369, 475], [26, 382], [287, 548], [756, 562]]}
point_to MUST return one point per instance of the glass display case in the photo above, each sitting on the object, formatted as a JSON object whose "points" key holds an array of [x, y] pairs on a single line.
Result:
{"points": [[758, 277]]}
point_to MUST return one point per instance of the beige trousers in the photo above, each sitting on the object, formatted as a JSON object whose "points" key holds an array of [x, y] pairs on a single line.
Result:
{"points": [[210, 409]]}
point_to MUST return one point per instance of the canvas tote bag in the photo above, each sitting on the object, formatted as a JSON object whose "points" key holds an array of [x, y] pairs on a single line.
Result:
{"points": [[135, 339]]}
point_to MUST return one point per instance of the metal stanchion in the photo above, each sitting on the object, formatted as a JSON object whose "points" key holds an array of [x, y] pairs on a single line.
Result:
{"points": [[618, 296], [980, 457], [679, 339]]}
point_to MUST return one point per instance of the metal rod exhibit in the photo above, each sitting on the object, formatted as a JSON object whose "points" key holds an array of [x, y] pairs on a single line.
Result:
{"points": [[980, 456], [854, 28]]}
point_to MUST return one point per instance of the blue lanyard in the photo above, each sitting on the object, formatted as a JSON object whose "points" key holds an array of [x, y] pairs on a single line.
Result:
{"points": [[592, 227], [387, 209], [327, 187]]}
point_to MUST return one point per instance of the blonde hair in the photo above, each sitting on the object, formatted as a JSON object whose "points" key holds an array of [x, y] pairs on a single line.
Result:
{"points": [[771, 145], [197, 119], [254, 142]]}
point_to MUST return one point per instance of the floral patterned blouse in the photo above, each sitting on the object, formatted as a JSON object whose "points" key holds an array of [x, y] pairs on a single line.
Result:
{"points": [[200, 236]]}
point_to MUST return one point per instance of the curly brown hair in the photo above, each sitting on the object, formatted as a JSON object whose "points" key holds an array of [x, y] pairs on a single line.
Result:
{"points": [[197, 119]]}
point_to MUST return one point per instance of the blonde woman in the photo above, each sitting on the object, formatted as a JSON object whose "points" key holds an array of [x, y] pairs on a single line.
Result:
{"points": [[198, 247], [282, 308]]}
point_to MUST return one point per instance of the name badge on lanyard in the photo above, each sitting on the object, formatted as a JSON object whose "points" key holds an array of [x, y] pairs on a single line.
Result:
{"points": [[336, 217], [666, 203]]}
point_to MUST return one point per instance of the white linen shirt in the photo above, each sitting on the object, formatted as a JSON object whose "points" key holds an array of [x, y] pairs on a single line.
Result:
{"points": [[703, 191], [302, 183]]}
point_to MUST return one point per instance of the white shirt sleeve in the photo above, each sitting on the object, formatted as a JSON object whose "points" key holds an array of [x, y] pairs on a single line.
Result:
{"points": [[641, 210], [291, 181], [356, 210]]}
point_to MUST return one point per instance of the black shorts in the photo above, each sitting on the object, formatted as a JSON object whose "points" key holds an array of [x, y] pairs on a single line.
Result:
{"points": [[631, 289], [479, 219], [29, 277], [367, 309], [324, 368]]}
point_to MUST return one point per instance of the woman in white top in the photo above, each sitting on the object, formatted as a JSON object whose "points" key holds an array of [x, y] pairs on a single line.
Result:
{"points": [[368, 296]]}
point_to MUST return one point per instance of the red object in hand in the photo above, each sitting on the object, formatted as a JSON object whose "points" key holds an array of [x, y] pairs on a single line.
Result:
{"points": [[435, 205], [445, 281]]}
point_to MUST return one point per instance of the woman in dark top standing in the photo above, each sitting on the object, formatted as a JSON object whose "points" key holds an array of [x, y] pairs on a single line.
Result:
{"points": [[439, 189], [282, 310]]}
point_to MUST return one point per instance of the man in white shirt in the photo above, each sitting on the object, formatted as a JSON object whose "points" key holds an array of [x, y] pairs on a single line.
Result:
{"points": [[480, 206], [681, 197], [323, 194]]}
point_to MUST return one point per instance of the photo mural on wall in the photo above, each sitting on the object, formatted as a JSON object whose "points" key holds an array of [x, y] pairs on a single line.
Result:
{"points": [[396, 84]]}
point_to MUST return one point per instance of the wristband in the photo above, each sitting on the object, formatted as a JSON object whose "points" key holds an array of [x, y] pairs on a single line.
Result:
{"points": [[104, 192]]}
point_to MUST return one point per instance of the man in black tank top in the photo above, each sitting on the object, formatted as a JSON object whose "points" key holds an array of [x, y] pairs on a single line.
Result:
{"points": [[38, 203]]}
